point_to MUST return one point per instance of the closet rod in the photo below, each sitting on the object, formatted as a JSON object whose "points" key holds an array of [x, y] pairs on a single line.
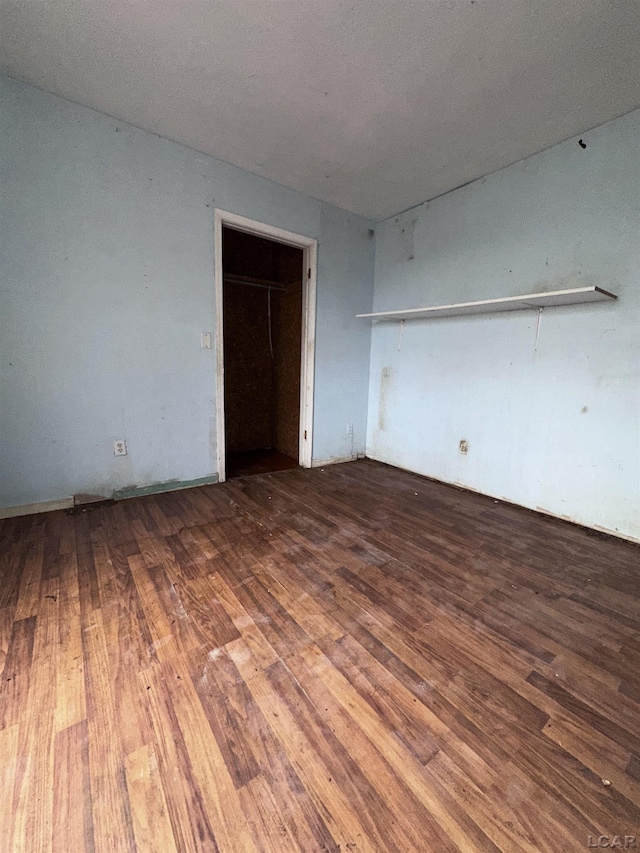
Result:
{"points": [[230, 278]]}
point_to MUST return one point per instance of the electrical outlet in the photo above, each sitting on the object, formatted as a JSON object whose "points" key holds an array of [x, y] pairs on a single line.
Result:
{"points": [[120, 447], [349, 429], [463, 445], [205, 340]]}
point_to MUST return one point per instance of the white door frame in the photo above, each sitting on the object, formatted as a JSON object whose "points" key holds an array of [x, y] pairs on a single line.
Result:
{"points": [[309, 247]]}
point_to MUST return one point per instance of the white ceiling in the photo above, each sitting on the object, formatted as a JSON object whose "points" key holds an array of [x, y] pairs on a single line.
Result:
{"points": [[373, 106]]}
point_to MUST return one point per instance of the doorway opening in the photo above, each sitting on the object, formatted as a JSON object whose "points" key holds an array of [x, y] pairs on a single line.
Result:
{"points": [[256, 261], [263, 310]]}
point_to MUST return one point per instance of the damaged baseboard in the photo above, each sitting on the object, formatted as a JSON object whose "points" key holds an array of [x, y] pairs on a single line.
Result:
{"points": [[335, 460], [85, 502], [157, 488], [32, 509]]}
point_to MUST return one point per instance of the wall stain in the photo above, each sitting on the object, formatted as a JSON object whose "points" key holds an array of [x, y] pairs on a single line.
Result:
{"points": [[406, 246], [385, 382]]}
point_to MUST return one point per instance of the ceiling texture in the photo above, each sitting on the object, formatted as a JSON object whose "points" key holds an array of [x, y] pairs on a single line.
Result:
{"points": [[374, 106]]}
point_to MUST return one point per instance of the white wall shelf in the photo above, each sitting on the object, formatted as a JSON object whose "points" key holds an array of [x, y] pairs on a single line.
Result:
{"points": [[573, 296]]}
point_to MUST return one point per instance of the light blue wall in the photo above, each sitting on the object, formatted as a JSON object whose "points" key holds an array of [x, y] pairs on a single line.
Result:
{"points": [[106, 285], [346, 257], [557, 429]]}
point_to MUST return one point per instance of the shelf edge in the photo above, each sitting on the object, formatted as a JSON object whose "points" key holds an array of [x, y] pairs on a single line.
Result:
{"points": [[535, 298]]}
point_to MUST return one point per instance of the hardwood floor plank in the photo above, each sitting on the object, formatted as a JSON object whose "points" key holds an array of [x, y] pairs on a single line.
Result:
{"points": [[402, 811], [336, 787], [69, 668], [596, 751], [14, 687], [275, 623], [398, 709], [190, 823], [210, 621], [224, 703], [34, 785], [88, 587], [8, 775], [254, 644], [300, 813], [220, 797], [11, 569], [164, 640], [151, 825], [72, 818], [293, 598], [29, 590], [462, 832], [269, 830], [505, 830], [578, 789], [618, 734], [112, 824]]}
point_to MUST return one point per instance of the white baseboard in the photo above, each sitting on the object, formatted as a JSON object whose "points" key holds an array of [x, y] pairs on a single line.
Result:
{"points": [[32, 509], [335, 460], [626, 536]]}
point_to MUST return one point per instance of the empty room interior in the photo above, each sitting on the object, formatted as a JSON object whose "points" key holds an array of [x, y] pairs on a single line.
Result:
{"points": [[319, 426]]}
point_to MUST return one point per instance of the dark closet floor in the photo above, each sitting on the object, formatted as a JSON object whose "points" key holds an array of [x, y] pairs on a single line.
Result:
{"points": [[258, 462]]}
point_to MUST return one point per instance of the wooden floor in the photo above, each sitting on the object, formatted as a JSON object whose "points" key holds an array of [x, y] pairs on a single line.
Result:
{"points": [[347, 659]]}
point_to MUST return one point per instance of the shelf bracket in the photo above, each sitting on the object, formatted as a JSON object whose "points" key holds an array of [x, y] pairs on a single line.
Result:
{"points": [[538, 322]]}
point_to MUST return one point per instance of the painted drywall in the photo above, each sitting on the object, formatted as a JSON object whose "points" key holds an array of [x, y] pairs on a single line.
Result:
{"points": [[107, 285], [552, 426], [349, 259]]}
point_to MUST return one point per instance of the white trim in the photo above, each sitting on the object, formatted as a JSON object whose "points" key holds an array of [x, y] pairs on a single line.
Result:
{"points": [[308, 353], [221, 464], [537, 509], [335, 460], [307, 357], [32, 509]]}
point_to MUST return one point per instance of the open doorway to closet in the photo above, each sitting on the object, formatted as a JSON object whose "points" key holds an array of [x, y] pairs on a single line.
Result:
{"points": [[262, 286], [265, 289]]}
